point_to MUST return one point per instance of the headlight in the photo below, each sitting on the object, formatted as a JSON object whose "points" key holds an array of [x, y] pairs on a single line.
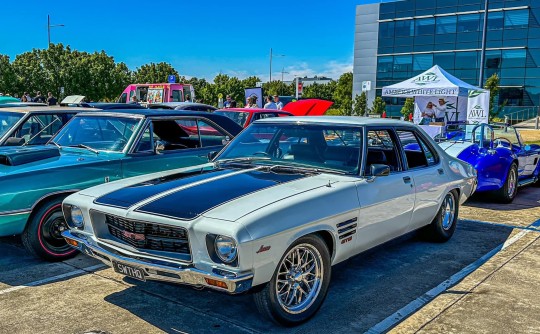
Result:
{"points": [[77, 217], [225, 248]]}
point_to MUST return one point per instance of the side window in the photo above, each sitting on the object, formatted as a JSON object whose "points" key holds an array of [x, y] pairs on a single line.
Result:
{"points": [[417, 152], [177, 96], [381, 149], [146, 143], [122, 98], [38, 129], [266, 115], [211, 135]]}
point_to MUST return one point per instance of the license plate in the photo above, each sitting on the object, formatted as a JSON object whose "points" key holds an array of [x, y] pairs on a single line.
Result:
{"points": [[129, 271]]}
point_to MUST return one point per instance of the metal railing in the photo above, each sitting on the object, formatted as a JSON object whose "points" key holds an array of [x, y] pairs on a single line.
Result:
{"points": [[522, 115]]}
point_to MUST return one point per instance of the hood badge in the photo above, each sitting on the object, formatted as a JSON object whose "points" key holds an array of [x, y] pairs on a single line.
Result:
{"points": [[263, 249]]}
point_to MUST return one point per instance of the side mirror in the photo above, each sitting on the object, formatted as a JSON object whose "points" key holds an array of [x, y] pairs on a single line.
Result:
{"points": [[159, 147], [380, 170], [14, 141], [212, 155]]}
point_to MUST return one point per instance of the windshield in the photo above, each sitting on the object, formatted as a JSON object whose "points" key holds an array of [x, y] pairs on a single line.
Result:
{"points": [[107, 133], [464, 132], [8, 120], [328, 147], [239, 117]]}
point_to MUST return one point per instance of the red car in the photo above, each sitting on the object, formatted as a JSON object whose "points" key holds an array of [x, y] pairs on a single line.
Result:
{"points": [[246, 116]]}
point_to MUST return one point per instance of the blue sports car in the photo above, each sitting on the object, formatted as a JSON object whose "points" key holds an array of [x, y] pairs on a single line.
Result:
{"points": [[497, 152]]}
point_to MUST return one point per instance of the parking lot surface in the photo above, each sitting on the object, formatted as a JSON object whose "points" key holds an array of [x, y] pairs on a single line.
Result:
{"points": [[483, 280]]}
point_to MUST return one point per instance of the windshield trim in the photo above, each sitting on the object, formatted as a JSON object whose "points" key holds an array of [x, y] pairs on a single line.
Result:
{"points": [[9, 132]]}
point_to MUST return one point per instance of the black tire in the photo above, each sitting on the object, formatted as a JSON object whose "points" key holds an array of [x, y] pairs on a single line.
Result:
{"points": [[270, 305], [508, 191], [42, 238], [444, 224]]}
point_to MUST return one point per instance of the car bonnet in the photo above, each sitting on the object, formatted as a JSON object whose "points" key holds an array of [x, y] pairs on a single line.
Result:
{"points": [[225, 194]]}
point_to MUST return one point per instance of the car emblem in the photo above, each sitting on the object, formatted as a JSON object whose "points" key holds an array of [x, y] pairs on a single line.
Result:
{"points": [[263, 249], [134, 236]]}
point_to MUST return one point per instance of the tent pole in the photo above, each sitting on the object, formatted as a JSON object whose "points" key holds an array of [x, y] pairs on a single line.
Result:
{"points": [[483, 52]]}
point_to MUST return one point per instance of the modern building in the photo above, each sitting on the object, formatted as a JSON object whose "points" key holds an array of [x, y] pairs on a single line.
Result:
{"points": [[400, 39]]}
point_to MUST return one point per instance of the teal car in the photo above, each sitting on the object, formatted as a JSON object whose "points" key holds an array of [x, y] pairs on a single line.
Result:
{"points": [[94, 148]]}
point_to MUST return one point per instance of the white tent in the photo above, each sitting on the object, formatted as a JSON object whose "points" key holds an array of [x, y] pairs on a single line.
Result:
{"points": [[453, 95]]}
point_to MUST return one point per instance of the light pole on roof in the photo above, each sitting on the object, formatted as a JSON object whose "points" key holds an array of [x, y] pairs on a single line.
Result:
{"points": [[49, 26]]}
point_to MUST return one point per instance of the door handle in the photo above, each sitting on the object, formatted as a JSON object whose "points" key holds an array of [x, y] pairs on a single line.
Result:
{"points": [[406, 179], [440, 171]]}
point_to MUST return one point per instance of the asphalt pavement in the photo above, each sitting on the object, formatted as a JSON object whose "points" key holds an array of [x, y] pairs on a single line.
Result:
{"points": [[485, 279]]}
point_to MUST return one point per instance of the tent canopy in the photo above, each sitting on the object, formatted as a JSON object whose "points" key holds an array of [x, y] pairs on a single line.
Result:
{"points": [[433, 82]]}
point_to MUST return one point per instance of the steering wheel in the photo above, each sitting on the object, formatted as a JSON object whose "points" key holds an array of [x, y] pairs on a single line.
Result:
{"points": [[499, 139]]}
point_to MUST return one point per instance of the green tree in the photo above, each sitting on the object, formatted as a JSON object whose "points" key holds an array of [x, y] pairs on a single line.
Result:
{"points": [[408, 108], [492, 84], [379, 106], [276, 87], [7, 76], [154, 73], [319, 91], [360, 104], [342, 95]]}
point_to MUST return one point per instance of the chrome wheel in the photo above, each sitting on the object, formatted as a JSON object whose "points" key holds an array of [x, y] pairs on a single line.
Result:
{"points": [[299, 278], [511, 182], [448, 211]]}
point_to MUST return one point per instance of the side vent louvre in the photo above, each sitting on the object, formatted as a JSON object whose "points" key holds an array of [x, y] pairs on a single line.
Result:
{"points": [[347, 229]]}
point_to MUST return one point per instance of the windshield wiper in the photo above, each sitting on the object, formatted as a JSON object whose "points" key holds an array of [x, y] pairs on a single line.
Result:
{"points": [[86, 147], [247, 160], [55, 144], [306, 169]]}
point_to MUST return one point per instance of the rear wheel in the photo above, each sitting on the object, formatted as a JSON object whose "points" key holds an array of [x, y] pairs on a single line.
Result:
{"points": [[444, 224], [299, 284], [508, 191], [42, 236]]}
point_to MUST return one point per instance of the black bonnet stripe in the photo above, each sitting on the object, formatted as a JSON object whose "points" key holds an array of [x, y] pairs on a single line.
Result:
{"points": [[192, 202], [129, 196]]}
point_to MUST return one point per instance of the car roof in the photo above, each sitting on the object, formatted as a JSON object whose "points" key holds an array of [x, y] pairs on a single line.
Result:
{"points": [[110, 105], [178, 104], [338, 120], [255, 110], [44, 109], [225, 122]]}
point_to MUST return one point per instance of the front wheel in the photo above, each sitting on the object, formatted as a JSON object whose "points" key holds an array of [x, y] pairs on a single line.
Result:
{"points": [[42, 236], [444, 224], [299, 284]]}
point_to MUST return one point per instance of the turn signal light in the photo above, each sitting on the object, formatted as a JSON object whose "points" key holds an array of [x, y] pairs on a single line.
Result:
{"points": [[72, 242], [217, 283]]}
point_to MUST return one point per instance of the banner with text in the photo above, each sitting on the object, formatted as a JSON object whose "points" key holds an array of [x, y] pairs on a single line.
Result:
{"points": [[445, 109], [478, 107]]}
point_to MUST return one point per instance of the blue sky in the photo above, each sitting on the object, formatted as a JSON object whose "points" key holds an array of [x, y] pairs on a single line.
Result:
{"points": [[199, 38]]}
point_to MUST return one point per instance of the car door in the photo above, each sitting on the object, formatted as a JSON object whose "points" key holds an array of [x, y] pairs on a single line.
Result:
{"points": [[423, 163], [182, 141], [387, 202], [527, 158]]}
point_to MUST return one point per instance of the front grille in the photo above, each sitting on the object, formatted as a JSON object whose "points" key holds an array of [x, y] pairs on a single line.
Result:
{"points": [[149, 236]]}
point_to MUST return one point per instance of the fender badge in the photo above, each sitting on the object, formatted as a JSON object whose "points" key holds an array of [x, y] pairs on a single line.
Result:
{"points": [[263, 249]]}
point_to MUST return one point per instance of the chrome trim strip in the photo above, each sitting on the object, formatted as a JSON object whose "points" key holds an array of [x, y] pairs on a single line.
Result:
{"points": [[15, 212]]}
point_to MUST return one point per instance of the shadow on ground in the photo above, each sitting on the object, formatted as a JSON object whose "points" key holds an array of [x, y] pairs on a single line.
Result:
{"points": [[364, 290]]}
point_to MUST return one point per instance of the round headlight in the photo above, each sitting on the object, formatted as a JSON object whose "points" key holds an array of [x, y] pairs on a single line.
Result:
{"points": [[225, 248], [77, 217]]}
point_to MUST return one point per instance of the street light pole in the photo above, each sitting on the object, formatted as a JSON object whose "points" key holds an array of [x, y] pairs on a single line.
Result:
{"points": [[49, 26], [283, 72], [483, 52], [271, 56]]}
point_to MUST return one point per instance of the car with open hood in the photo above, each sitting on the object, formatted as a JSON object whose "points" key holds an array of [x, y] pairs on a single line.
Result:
{"points": [[501, 158], [93, 148], [288, 198]]}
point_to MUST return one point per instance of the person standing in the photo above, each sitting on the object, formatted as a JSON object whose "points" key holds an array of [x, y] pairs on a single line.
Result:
{"points": [[428, 114], [51, 100], [279, 104], [250, 102], [228, 101], [27, 97], [441, 110], [269, 103], [39, 98]]}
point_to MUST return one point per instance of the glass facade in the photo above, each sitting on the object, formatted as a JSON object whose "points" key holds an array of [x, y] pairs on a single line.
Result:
{"points": [[417, 34]]}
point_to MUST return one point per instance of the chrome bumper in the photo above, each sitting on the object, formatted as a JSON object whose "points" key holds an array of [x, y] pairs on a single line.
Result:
{"points": [[171, 272]]}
